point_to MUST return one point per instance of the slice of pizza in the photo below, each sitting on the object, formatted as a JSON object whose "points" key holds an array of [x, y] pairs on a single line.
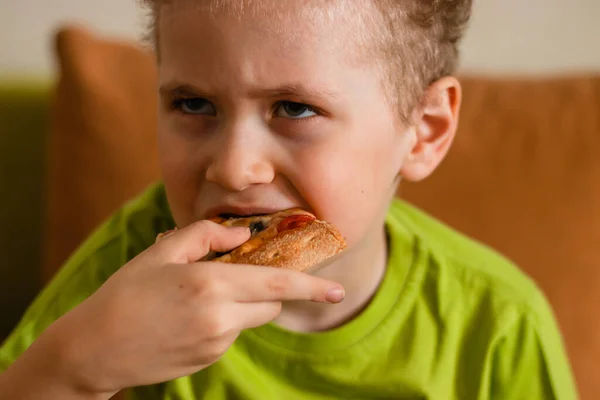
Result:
{"points": [[293, 239]]}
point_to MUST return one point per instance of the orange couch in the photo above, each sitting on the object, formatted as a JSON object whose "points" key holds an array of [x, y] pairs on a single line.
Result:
{"points": [[523, 175]]}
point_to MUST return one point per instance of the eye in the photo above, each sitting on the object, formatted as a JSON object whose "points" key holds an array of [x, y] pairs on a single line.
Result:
{"points": [[194, 106], [290, 109]]}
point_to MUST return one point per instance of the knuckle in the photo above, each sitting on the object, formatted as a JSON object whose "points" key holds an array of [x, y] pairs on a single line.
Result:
{"points": [[202, 228], [196, 281], [206, 285], [214, 289], [168, 249], [215, 325], [202, 225], [279, 283], [204, 234]]}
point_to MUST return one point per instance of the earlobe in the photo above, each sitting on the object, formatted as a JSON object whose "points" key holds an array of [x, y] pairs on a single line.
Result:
{"points": [[435, 127]]}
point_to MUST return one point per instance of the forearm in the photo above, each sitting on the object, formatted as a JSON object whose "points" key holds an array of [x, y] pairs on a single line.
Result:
{"points": [[41, 373]]}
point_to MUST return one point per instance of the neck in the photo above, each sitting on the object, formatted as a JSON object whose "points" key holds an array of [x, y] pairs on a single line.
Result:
{"points": [[360, 274]]}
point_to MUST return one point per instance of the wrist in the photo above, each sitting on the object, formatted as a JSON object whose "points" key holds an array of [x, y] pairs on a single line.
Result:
{"points": [[48, 370], [72, 361]]}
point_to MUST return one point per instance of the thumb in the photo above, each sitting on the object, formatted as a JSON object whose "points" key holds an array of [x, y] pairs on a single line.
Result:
{"points": [[191, 243]]}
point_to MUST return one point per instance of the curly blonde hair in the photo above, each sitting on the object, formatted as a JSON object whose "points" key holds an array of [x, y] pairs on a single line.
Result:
{"points": [[418, 42]]}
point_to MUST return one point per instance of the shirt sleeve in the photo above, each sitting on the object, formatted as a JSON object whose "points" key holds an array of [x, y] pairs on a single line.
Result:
{"points": [[530, 361]]}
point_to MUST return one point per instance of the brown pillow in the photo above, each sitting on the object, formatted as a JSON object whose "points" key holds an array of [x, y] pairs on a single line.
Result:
{"points": [[101, 148], [524, 177]]}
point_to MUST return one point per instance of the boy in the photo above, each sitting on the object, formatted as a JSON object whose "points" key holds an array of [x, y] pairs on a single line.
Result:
{"points": [[268, 105]]}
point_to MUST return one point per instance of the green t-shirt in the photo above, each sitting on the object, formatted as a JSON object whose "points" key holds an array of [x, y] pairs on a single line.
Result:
{"points": [[451, 320]]}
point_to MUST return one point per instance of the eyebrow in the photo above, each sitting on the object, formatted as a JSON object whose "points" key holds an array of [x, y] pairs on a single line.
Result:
{"points": [[294, 89], [177, 89]]}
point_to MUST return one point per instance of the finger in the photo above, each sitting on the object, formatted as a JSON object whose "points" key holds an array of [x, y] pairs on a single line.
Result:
{"points": [[163, 234], [191, 243], [253, 315], [257, 284]]}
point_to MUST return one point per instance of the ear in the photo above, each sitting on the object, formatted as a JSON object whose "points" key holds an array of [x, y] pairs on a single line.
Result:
{"points": [[436, 120]]}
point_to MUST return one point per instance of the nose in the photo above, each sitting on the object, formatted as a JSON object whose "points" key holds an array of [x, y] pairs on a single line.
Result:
{"points": [[239, 160]]}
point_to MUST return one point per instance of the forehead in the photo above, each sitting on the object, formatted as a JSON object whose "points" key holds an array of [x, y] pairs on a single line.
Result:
{"points": [[238, 48], [344, 27]]}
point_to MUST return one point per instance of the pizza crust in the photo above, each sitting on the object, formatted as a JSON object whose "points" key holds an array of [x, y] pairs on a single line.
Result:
{"points": [[298, 248]]}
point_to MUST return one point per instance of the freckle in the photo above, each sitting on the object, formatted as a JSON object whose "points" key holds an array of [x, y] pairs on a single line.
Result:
{"points": [[180, 286]]}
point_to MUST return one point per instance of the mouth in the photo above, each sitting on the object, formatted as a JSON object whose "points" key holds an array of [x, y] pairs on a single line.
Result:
{"points": [[232, 216], [228, 212]]}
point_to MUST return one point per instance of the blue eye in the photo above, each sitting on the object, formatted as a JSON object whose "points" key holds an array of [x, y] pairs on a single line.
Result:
{"points": [[290, 109], [195, 106]]}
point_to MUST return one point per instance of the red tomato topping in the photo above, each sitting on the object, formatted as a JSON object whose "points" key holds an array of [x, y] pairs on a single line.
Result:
{"points": [[295, 221]]}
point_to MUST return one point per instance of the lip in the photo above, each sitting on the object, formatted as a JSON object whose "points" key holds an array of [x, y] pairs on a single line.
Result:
{"points": [[245, 211]]}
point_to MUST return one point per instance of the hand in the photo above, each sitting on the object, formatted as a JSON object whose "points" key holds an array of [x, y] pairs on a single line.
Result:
{"points": [[164, 315]]}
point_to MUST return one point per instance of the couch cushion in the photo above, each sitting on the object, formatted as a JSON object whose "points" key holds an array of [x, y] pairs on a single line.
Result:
{"points": [[102, 148], [524, 177]]}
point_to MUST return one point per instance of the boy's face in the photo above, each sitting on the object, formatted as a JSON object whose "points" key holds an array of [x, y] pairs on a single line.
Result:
{"points": [[276, 107]]}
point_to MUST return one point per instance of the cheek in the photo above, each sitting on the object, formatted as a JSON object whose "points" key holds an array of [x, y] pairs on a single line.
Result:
{"points": [[350, 184], [180, 171]]}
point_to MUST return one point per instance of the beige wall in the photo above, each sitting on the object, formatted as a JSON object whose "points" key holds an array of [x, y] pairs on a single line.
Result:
{"points": [[26, 28], [505, 35], [539, 36]]}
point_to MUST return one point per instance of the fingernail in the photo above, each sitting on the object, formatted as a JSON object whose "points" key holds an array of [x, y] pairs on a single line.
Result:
{"points": [[335, 295], [165, 234]]}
